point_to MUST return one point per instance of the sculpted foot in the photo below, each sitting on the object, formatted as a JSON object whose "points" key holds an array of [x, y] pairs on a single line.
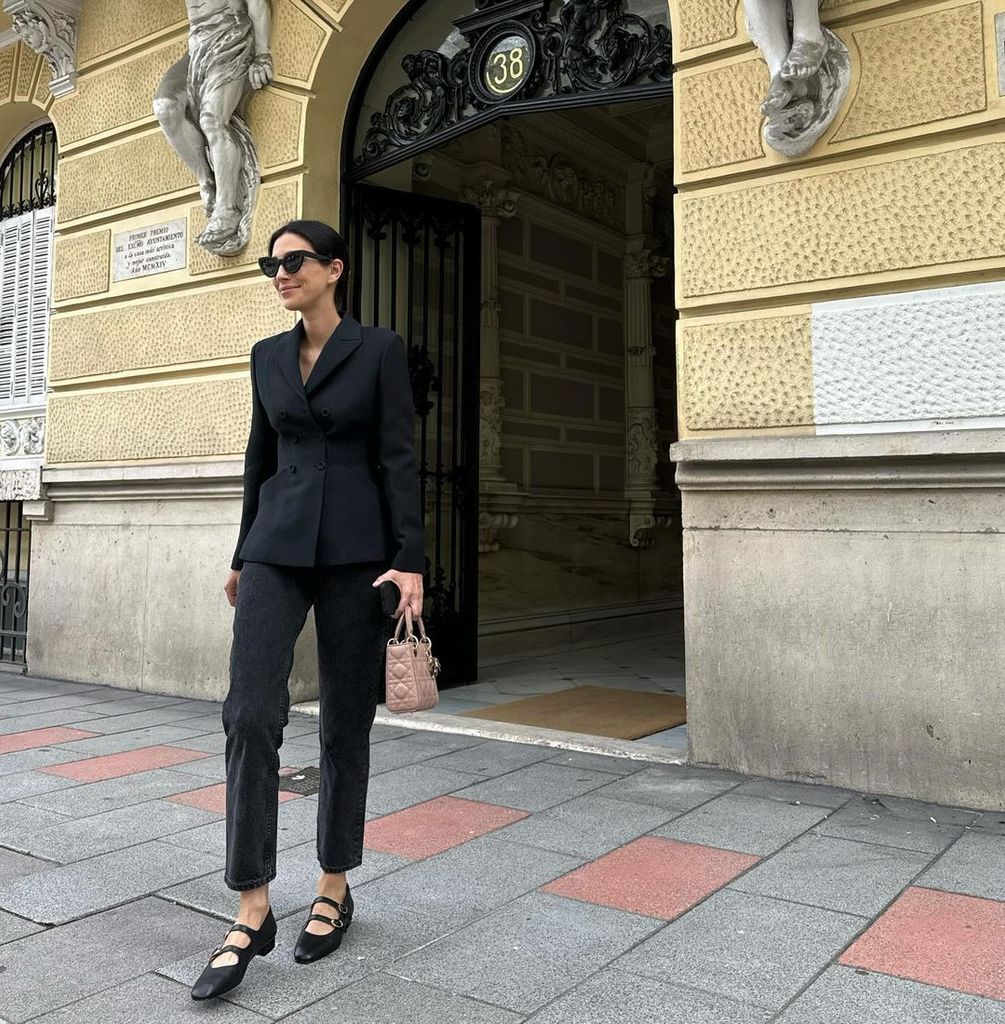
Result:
{"points": [[207, 190], [804, 58], [222, 225], [778, 96]]}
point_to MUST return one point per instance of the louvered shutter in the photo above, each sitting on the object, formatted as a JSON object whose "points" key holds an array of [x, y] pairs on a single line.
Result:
{"points": [[41, 282], [22, 307], [8, 294]]}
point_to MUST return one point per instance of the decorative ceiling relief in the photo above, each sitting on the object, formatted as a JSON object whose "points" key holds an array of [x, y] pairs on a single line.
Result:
{"points": [[520, 55], [49, 27]]}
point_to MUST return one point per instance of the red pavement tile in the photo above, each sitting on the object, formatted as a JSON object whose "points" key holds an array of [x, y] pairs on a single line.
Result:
{"points": [[436, 825], [214, 798], [653, 876], [128, 762], [937, 938], [41, 738]]}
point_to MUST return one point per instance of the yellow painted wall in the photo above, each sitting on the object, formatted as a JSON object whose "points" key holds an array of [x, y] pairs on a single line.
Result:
{"points": [[898, 194]]}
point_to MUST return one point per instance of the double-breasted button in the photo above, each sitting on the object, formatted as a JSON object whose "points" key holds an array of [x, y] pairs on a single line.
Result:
{"points": [[293, 469], [320, 464], [282, 414], [321, 437], [326, 412], [294, 438]]}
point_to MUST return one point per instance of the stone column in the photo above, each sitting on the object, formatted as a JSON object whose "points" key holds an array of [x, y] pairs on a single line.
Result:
{"points": [[490, 195], [641, 265]]}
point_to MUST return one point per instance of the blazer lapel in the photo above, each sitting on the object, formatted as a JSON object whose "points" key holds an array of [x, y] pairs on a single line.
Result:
{"points": [[346, 339], [289, 357]]}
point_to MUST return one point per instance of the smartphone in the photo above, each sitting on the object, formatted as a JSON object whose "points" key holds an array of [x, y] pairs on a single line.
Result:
{"points": [[390, 596]]}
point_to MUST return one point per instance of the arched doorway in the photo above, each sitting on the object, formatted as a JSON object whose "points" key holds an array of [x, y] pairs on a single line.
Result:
{"points": [[506, 188]]}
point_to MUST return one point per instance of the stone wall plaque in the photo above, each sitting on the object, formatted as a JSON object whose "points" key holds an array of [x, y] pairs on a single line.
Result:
{"points": [[1000, 50], [154, 249]]}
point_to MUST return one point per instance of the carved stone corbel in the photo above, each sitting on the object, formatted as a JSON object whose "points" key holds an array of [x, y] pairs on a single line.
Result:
{"points": [[49, 27]]}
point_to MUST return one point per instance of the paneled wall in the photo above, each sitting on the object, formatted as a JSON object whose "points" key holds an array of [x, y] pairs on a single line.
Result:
{"points": [[899, 196]]}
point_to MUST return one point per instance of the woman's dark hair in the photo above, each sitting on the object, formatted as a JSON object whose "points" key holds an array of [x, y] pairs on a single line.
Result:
{"points": [[325, 241]]}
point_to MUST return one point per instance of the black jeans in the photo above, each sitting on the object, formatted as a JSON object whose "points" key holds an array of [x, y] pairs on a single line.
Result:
{"points": [[352, 630]]}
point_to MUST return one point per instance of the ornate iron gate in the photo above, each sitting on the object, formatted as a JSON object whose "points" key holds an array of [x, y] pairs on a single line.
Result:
{"points": [[15, 552], [416, 269]]}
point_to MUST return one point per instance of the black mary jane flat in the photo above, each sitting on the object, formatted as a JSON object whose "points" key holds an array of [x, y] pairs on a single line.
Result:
{"points": [[214, 981], [311, 947]]}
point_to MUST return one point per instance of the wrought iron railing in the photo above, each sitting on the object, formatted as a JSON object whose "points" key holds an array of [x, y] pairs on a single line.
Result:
{"points": [[28, 174], [15, 553]]}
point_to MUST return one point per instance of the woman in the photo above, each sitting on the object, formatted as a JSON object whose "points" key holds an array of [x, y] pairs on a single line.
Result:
{"points": [[331, 509]]}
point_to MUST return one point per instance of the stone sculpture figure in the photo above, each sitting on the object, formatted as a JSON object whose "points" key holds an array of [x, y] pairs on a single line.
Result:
{"points": [[200, 104], [810, 71]]}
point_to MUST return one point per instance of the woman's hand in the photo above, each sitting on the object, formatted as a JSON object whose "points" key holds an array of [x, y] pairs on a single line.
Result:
{"points": [[230, 587], [410, 585]]}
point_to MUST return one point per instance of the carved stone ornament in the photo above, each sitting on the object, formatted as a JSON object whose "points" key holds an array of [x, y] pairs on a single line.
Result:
{"points": [[22, 437], [201, 105], [518, 54], [49, 27], [489, 525], [810, 72]]}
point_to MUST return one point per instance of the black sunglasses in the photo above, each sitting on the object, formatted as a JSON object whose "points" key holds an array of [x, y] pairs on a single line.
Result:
{"points": [[291, 262]]}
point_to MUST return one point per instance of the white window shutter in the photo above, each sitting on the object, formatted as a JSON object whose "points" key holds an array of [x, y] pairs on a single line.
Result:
{"points": [[8, 305], [22, 306], [41, 282]]}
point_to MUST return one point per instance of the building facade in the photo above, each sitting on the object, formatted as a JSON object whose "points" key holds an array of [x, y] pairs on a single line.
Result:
{"points": [[664, 373]]}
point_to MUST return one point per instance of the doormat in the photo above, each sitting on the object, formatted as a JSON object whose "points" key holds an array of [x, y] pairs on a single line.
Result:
{"points": [[594, 710]]}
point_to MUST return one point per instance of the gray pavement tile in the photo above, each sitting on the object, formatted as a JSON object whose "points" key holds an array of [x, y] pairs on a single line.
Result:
{"points": [[615, 997], [94, 797], [841, 995], [383, 998], [296, 824], [382, 733], [210, 769], [872, 820], [33, 758], [31, 784], [65, 893], [427, 747], [467, 881], [79, 838], [290, 892], [17, 820], [588, 826], [856, 878], [796, 792], [91, 700], [13, 927], [107, 724], [527, 953], [974, 865], [991, 822], [536, 787], [277, 986], [96, 953], [749, 948], [28, 688], [402, 787], [677, 787], [494, 757], [746, 824], [301, 725], [919, 810], [133, 739], [14, 864], [68, 716], [125, 705], [149, 998], [598, 762]]}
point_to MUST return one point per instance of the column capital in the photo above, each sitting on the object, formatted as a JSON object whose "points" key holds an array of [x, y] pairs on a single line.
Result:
{"points": [[49, 27], [492, 197], [645, 263]]}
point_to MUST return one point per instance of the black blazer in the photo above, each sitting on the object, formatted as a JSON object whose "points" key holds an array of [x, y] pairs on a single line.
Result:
{"points": [[329, 474]]}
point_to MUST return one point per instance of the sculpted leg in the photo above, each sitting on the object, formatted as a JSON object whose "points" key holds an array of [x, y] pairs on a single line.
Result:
{"points": [[214, 119], [171, 110], [808, 44], [768, 23]]}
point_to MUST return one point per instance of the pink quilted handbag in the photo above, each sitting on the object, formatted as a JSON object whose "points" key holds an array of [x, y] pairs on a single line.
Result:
{"points": [[411, 669]]}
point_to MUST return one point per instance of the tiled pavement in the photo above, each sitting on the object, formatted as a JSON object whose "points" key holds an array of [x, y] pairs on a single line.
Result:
{"points": [[501, 883]]}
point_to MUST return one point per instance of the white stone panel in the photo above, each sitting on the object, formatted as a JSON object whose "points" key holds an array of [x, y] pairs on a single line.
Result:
{"points": [[923, 360]]}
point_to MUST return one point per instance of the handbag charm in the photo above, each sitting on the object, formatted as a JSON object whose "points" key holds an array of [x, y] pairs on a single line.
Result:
{"points": [[410, 668]]}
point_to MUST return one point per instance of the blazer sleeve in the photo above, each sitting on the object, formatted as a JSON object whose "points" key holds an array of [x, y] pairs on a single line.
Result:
{"points": [[396, 453], [260, 461]]}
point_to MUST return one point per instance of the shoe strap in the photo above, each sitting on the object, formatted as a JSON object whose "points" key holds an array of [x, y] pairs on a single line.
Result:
{"points": [[341, 907], [228, 949], [336, 921]]}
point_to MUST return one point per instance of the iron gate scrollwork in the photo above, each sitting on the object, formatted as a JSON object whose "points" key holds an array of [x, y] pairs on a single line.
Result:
{"points": [[415, 265], [28, 174], [15, 554], [578, 52]]}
